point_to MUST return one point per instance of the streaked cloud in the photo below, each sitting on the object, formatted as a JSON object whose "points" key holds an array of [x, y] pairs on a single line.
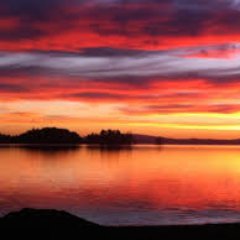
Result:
{"points": [[218, 61], [143, 63]]}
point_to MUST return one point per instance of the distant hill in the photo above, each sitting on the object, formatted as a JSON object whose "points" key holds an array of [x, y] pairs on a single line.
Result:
{"points": [[144, 139], [147, 139], [195, 141]]}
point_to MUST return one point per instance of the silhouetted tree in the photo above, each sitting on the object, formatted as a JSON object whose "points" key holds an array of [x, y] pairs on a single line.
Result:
{"points": [[109, 137], [5, 138], [49, 136], [159, 140]]}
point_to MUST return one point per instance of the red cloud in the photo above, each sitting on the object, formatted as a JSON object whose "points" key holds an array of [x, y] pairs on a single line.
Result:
{"points": [[140, 26], [175, 96]]}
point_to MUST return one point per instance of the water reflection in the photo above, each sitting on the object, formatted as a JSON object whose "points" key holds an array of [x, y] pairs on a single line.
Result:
{"points": [[50, 149], [110, 148], [138, 185]]}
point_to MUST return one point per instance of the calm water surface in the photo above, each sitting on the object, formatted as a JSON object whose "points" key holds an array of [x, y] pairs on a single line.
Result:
{"points": [[143, 185]]}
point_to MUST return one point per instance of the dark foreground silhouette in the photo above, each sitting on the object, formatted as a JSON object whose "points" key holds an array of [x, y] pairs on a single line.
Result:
{"points": [[51, 224]]}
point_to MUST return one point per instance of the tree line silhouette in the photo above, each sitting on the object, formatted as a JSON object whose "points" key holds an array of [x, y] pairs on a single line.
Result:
{"points": [[64, 136], [104, 138], [109, 137]]}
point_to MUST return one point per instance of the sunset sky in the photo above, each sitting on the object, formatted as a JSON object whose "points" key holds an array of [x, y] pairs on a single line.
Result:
{"points": [[159, 67]]}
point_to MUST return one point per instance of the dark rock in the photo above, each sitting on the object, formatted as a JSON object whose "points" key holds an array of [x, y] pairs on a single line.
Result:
{"points": [[51, 224], [30, 218]]}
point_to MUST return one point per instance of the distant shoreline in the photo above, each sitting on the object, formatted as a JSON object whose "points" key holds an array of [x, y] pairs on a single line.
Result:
{"points": [[106, 138], [95, 146]]}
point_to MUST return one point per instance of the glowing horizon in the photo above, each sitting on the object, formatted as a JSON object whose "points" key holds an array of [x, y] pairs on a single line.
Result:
{"points": [[165, 68]]}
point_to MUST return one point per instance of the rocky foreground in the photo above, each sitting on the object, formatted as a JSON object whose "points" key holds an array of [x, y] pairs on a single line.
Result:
{"points": [[51, 224]]}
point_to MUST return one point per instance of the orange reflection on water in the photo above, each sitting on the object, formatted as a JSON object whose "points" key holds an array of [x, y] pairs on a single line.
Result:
{"points": [[143, 178]]}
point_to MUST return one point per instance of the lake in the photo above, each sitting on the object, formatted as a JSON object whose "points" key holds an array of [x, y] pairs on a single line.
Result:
{"points": [[142, 185]]}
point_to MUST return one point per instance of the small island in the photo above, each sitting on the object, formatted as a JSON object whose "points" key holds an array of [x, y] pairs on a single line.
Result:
{"points": [[109, 138], [46, 136], [105, 138]]}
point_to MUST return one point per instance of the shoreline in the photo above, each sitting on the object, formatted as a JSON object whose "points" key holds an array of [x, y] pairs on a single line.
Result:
{"points": [[52, 224], [108, 146]]}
